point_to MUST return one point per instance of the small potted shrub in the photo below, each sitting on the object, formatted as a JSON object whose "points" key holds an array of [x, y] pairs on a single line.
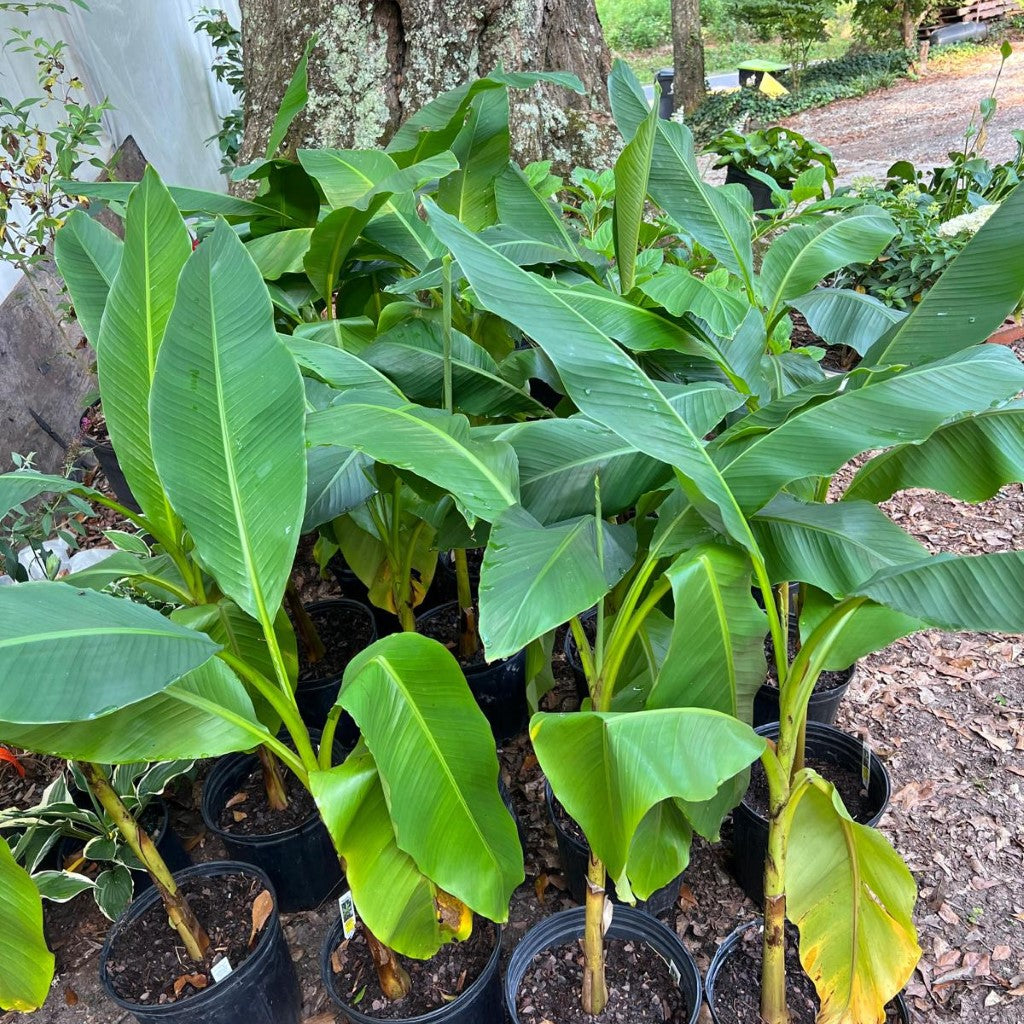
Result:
{"points": [[770, 160]]}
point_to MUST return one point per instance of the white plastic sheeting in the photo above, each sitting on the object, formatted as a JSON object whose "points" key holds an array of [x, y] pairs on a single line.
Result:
{"points": [[146, 58]]}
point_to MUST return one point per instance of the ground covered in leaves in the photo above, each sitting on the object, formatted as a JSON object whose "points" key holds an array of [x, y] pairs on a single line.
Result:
{"points": [[944, 712]]}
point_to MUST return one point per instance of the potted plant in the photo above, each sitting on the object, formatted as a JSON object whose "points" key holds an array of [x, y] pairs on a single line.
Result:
{"points": [[776, 156], [244, 534], [880, 586]]}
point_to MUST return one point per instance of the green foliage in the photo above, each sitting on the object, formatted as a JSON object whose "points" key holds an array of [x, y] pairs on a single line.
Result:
{"points": [[227, 68], [781, 153], [798, 24], [635, 24], [820, 85]]}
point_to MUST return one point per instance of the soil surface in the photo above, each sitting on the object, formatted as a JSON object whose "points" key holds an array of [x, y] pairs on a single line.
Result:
{"points": [[148, 964], [828, 680], [846, 780], [640, 988], [434, 982], [443, 626], [737, 985], [247, 812], [921, 120], [344, 632]]}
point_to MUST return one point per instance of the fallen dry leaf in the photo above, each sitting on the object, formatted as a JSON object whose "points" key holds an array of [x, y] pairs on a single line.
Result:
{"points": [[70, 996], [1002, 953], [238, 798], [195, 980], [262, 907], [239, 815], [540, 883]]}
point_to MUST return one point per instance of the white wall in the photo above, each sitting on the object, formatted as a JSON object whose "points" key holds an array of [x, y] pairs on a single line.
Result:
{"points": [[144, 56]]}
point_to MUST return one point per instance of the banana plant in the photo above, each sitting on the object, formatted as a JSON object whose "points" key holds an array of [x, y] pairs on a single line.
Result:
{"points": [[739, 506], [189, 350]]}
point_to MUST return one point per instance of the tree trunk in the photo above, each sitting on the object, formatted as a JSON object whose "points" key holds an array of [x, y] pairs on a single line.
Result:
{"points": [[908, 27], [378, 61], [688, 53]]}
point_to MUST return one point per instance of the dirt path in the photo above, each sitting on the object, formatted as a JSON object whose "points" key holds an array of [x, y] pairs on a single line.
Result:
{"points": [[920, 121]]}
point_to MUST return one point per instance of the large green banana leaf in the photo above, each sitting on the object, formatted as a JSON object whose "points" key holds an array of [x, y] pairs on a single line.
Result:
{"points": [[679, 292], [520, 206], [68, 655], [716, 658], [975, 293], [482, 475], [131, 334], [393, 897], [632, 170], [341, 369], [435, 754], [802, 256], [817, 439], [26, 965], [841, 316], [482, 150], [609, 769], [559, 458], [88, 257], [852, 898], [535, 578], [970, 459], [225, 378], [337, 483], [206, 713], [974, 592], [601, 379], [832, 546], [660, 847], [399, 231], [706, 213], [412, 355], [280, 252]]}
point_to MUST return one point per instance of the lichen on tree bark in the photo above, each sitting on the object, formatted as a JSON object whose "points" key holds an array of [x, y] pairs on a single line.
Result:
{"points": [[378, 62]]}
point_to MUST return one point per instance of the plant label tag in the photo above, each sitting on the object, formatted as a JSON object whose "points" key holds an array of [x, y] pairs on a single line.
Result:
{"points": [[673, 969], [865, 765], [221, 969], [348, 913]]}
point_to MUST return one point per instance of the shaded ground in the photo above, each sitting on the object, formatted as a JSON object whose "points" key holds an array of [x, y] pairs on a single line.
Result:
{"points": [[920, 120]]}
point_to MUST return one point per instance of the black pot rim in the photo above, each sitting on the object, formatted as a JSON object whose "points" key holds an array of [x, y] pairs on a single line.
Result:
{"points": [[723, 952], [324, 682], [819, 730], [623, 917], [226, 763], [826, 693], [447, 606], [238, 976], [435, 1016]]}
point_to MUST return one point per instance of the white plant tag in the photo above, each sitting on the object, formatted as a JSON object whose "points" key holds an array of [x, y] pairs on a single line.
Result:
{"points": [[606, 916], [673, 969], [347, 909], [865, 765], [221, 969]]}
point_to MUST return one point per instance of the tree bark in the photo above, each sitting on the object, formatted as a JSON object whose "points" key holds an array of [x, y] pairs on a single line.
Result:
{"points": [[688, 56], [378, 61]]}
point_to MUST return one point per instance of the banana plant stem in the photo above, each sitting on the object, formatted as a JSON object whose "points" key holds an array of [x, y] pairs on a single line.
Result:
{"points": [[277, 798], [311, 642], [595, 990], [773, 970], [394, 979], [469, 640], [180, 914]]}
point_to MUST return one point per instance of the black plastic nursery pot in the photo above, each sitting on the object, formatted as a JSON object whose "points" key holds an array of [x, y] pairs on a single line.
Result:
{"points": [[263, 989], [316, 697], [728, 948], [479, 1003], [166, 840], [566, 928], [575, 663], [750, 829], [301, 861], [575, 856], [107, 458], [822, 707], [759, 191], [498, 688]]}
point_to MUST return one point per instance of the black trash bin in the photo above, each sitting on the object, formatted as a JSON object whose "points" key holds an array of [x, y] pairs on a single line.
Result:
{"points": [[666, 102]]}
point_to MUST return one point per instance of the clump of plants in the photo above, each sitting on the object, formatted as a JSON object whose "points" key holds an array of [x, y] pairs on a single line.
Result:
{"points": [[780, 153]]}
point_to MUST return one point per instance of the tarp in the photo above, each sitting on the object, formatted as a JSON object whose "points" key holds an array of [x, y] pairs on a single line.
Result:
{"points": [[146, 58]]}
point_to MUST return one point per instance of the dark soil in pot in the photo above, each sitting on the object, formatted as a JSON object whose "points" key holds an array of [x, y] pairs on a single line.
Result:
{"points": [[839, 759], [829, 690], [346, 628], [574, 853], [734, 982], [460, 971], [142, 965], [545, 973], [499, 688], [292, 846]]}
